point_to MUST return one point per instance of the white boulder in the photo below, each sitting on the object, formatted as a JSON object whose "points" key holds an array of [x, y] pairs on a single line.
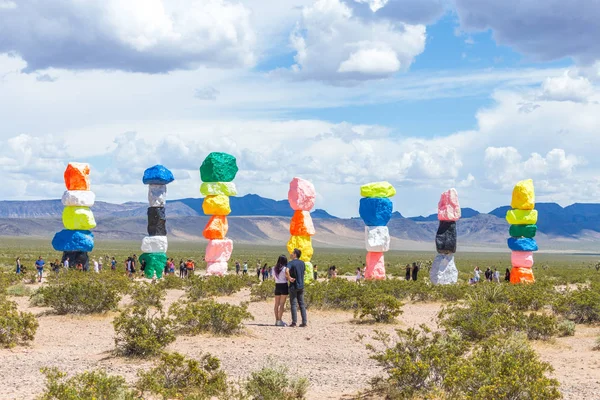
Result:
{"points": [[157, 195], [78, 198], [154, 244], [443, 270], [377, 239]]}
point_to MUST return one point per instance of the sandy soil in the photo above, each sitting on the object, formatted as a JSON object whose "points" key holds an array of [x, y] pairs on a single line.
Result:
{"points": [[336, 364]]}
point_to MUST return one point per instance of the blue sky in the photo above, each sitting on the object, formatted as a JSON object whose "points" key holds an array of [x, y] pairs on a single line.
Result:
{"points": [[427, 94]]}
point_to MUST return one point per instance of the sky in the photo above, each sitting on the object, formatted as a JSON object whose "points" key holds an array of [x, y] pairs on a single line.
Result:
{"points": [[425, 94]]}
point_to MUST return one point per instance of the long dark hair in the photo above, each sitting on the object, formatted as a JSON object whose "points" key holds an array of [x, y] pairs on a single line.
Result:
{"points": [[281, 262]]}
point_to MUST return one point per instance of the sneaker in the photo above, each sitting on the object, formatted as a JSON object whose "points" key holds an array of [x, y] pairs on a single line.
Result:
{"points": [[303, 325], [292, 325], [283, 323], [278, 323]]}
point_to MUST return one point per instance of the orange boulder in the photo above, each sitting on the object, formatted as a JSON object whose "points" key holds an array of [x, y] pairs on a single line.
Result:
{"points": [[521, 275], [77, 176], [302, 224], [216, 228]]}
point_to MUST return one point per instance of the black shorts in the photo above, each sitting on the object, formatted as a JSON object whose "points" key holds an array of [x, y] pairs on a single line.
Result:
{"points": [[281, 289]]}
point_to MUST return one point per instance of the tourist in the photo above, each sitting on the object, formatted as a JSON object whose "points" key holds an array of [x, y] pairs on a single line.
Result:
{"points": [[171, 267], [189, 266], [18, 265], [56, 266], [488, 274], [258, 270], [143, 265], [358, 274], [408, 272], [265, 273], [66, 263], [315, 274], [133, 263], [507, 275], [476, 274], [237, 267], [415, 271], [496, 275], [296, 269], [39, 265], [96, 266], [113, 264], [245, 271], [99, 263], [79, 267], [280, 272], [182, 270]]}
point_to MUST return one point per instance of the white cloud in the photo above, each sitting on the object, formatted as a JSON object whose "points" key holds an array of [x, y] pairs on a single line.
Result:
{"points": [[331, 44], [567, 88], [136, 35]]}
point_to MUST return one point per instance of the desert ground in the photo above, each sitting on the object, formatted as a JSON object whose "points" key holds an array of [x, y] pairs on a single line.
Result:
{"points": [[329, 352]]}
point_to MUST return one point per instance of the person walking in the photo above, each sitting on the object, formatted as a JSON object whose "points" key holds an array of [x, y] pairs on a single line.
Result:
{"points": [[258, 270], [507, 275], [113, 264], [415, 271], [496, 275], [66, 263], [265, 272], [476, 275], [237, 267], [96, 266], [408, 273], [281, 274], [296, 269], [488, 274], [39, 265], [19, 265], [181, 269], [245, 271], [358, 274], [189, 267]]}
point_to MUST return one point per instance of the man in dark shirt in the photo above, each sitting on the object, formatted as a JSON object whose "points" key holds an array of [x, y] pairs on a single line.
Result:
{"points": [[296, 270]]}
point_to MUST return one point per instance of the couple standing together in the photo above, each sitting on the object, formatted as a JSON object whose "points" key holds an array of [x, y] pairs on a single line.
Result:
{"points": [[292, 273]]}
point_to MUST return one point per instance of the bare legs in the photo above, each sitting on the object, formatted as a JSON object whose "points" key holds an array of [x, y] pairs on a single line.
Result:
{"points": [[279, 307]]}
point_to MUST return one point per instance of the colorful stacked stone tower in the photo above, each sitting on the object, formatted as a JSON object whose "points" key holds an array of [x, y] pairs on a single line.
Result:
{"points": [[76, 240], [217, 172], [301, 197], [522, 219], [155, 245], [376, 210], [443, 270]]}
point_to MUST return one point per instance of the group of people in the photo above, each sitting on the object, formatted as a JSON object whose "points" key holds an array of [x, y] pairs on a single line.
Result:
{"points": [[56, 266], [490, 276]]}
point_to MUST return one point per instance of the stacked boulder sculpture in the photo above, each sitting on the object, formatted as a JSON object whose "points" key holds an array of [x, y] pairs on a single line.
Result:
{"points": [[443, 270], [217, 172], [376, 211], [301, 197], [155, 245], [522, 219], [76, 240]]}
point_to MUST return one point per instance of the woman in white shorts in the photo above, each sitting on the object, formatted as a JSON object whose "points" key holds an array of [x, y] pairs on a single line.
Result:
{"points": [[281, 274]]}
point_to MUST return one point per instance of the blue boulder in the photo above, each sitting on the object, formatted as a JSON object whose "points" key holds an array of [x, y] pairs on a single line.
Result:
{"points": [[157, 175], [522, 244], [375, 211], [67, 240]]}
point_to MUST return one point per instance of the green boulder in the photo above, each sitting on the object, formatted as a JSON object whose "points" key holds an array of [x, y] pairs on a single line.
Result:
{"points": [[218, 167], [155, 264], [308, 273], [377, 189], [217, 188], [527, 231]]}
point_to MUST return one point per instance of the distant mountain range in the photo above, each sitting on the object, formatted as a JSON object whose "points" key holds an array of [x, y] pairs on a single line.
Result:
{"points": [[255, 219]]}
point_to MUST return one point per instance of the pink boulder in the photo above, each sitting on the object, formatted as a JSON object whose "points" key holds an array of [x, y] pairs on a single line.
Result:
{"points": [[522, 259], [301, 195], [218, 268], [218, 250], [375, 266], [448, 207]]}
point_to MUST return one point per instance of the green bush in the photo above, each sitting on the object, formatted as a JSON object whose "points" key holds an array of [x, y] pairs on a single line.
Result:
{"points": [[339, 293], [566, 328], [171, 282], [530, 297], [502, 368], [178, 377], [539, 326], [142, 331], [581, 305], [452, 292], [88, 385], [76, 292], [378, 306], [16, 327], [421, 364], [209, 316], [263, 291], [146, 294], [8, 279], [274, 383], [199, 288], [19, 290]]}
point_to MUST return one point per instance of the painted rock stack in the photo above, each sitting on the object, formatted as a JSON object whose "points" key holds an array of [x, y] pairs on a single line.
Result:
{"points": [[155, 245], [301, 197], [522, 219], [376, 210], [443, 270], [217, 172], [76, 240]]}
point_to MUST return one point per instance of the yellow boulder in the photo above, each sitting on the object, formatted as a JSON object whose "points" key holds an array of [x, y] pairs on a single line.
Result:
{"points": [[377, 189], [78, 218], [523, 196], [216, 205], [302, 243], [522, 217]]}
